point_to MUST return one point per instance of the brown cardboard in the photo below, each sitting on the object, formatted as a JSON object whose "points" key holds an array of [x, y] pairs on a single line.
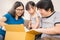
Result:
{"points": [[17, 32]]}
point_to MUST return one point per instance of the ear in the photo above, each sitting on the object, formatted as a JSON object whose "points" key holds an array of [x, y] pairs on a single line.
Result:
{"points": [[49, 10], [34, 7]]}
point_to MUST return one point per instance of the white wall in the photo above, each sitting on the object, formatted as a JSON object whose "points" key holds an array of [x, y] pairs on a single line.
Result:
{"points": [[56, 4], [5, 5]]}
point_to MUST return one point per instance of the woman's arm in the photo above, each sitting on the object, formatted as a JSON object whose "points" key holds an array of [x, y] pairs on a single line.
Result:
{"points": [[2, 21]]}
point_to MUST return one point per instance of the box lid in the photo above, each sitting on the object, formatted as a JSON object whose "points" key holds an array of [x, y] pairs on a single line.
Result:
{"points": [[15, 28]]}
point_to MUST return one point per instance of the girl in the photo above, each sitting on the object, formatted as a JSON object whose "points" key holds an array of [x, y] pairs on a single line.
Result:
{"points": [[34, 19]]}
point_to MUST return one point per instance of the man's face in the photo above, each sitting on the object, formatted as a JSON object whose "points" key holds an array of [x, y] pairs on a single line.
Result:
{"points": [[43, 12]]}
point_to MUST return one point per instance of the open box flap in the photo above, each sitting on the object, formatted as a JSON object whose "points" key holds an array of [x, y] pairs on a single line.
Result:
{"points": [[15, 28], [33, 32]]}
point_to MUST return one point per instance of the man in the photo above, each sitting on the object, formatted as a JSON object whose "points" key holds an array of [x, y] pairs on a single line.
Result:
{"points": [[50, 21]]}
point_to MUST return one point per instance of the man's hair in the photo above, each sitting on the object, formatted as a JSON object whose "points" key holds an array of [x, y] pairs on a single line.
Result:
{"points": [[45, 4]]}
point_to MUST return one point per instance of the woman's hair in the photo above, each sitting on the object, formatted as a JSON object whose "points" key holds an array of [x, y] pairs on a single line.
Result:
{"points": [[29, 3], [16, 4], [45, 4]]}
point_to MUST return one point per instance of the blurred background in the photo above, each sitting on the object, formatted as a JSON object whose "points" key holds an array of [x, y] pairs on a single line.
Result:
{"points": [[5, 6]]}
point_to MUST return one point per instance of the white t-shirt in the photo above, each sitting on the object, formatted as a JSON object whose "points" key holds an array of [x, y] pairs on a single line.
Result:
{"points": [[33, 19], [49, 22]]}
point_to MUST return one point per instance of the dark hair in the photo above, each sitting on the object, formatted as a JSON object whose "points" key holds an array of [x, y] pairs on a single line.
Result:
{"points": [[30, 3], [16, 4], [45, 4]]}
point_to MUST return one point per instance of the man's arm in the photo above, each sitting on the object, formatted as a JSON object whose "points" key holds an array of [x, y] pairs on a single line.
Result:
{"points": [[54, 30]]}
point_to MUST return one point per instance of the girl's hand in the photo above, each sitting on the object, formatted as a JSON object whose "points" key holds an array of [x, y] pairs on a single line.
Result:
{"points": [[29, 25]]}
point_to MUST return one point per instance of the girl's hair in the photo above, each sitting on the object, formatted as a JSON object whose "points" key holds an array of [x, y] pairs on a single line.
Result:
{"points": [[29, 3]]}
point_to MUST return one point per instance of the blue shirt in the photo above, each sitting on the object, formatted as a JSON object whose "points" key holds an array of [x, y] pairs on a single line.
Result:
{"points": [[12, 20]]}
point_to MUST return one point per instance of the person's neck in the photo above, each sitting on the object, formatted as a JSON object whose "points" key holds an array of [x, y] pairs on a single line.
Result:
{"points": [[16, 17], [33, 14]]}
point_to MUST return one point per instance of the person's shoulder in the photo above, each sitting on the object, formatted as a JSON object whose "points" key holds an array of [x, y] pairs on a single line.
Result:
{"points": [[22, 18], [7, 14], [57, 13], [35, 15]]}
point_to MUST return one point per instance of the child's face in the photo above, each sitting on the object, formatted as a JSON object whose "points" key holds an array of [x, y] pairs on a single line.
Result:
{"points": [[44, 13], [31, 9]]}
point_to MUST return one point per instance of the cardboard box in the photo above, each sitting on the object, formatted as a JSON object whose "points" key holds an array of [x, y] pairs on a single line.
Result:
{"points": [[17, 32]]}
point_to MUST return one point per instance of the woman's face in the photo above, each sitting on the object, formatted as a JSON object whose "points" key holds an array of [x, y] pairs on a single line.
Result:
{"points": [[19, 10]]}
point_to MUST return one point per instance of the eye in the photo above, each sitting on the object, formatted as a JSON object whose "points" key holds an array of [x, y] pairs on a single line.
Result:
{"points": [[19, 9]]}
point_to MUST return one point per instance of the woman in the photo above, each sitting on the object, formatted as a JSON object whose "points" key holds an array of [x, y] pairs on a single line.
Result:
{"points": [[14, 16]]}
